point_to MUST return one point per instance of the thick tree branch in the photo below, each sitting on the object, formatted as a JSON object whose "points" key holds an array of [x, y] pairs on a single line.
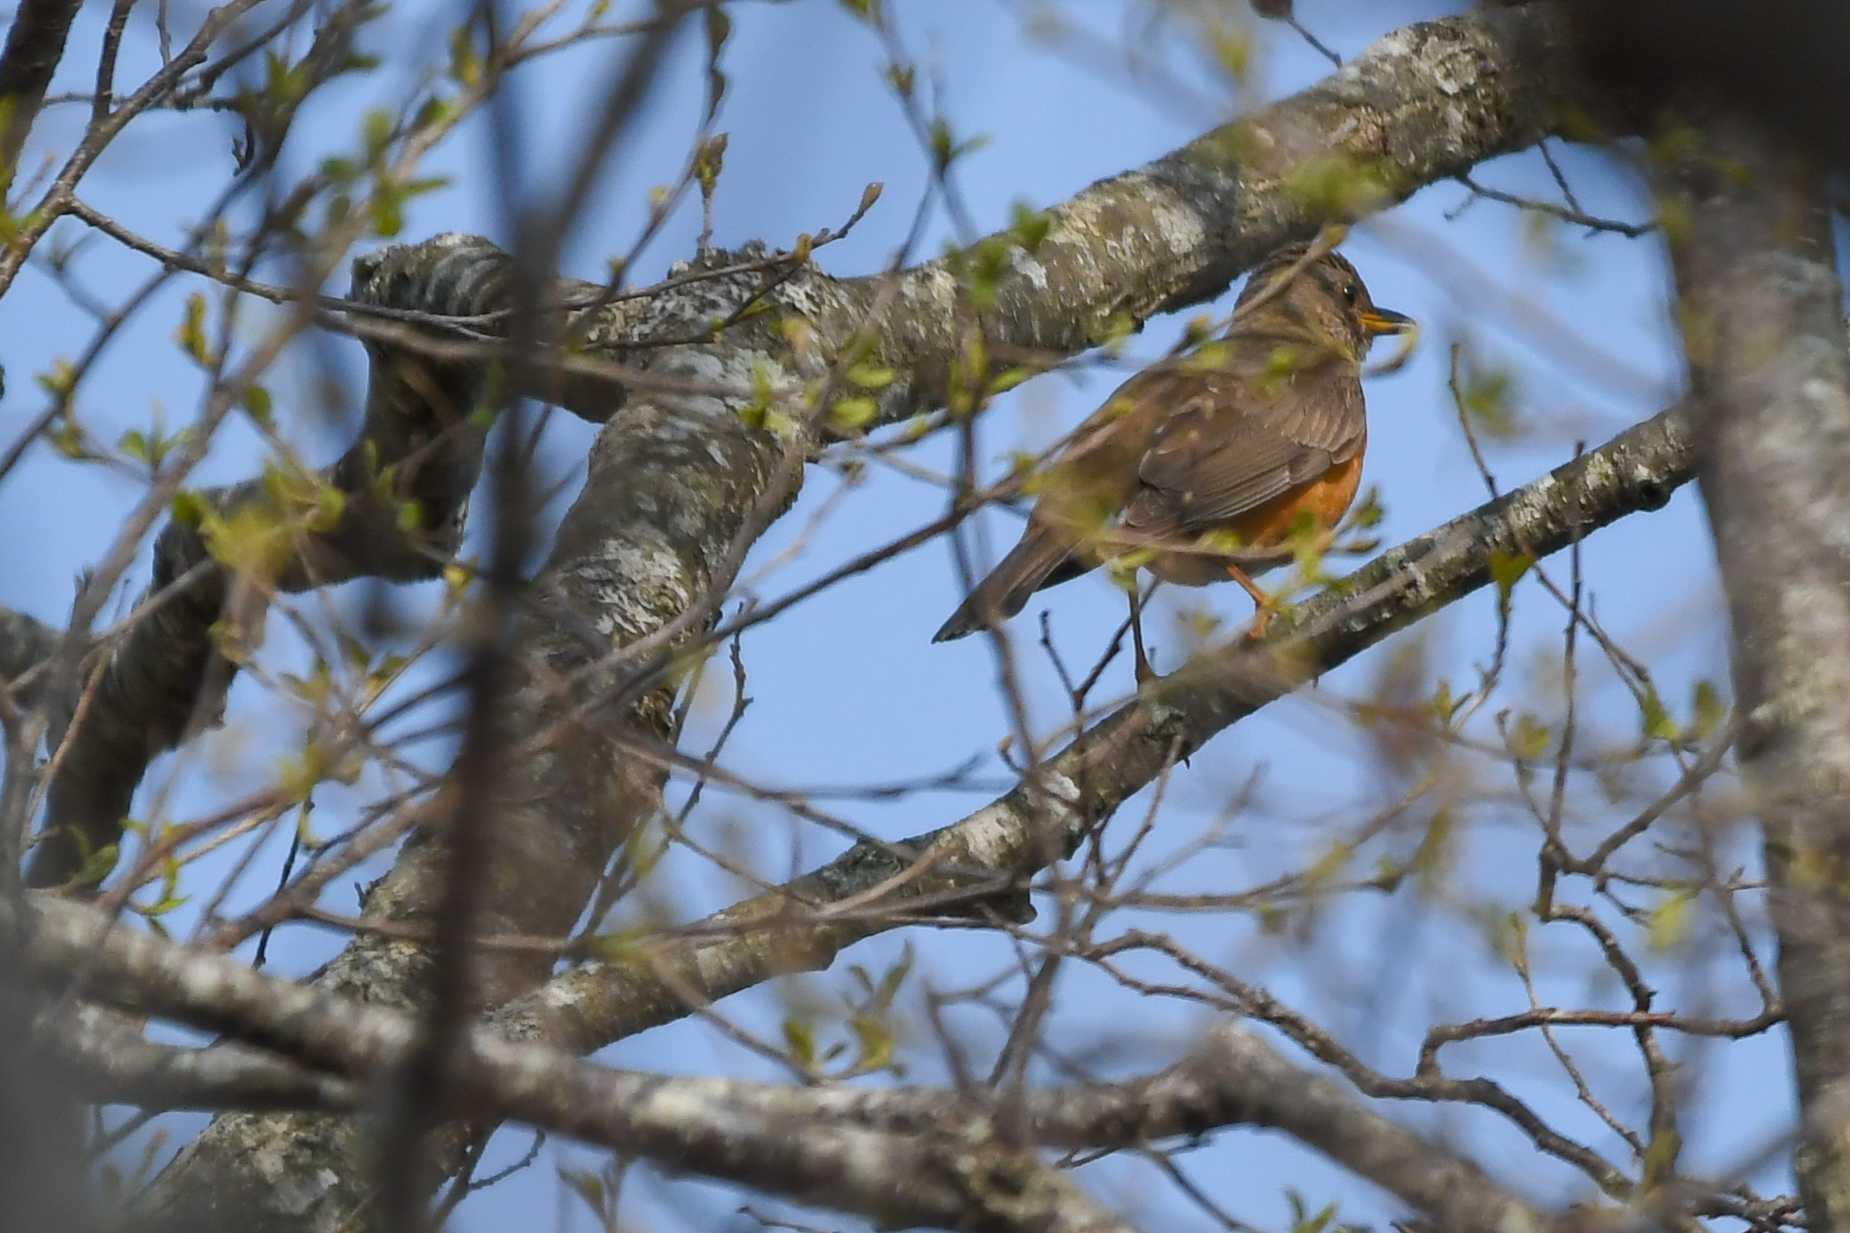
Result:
{"points": [[1233, 1078], [671, 485], [1764, 333], [106, 1059], [965, 1179], [1421, 105], [34, 45]]}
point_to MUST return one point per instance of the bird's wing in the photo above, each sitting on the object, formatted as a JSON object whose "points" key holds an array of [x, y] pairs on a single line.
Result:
{"points": [[1240, 441]]}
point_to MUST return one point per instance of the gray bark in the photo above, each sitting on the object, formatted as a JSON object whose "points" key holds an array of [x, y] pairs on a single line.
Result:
{"points": [[1764, 333], [966, 1178]]}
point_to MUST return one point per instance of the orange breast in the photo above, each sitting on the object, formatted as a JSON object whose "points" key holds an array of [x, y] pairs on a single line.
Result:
{"points": [[1326, 499]]}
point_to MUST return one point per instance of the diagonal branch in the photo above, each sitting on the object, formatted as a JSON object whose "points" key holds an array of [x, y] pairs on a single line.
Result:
{"points": [[966, 1178], [991, 852], [1422, 104]]}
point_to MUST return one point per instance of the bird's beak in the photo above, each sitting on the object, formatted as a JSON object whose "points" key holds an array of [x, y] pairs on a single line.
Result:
{"points": [[1379, 321]]}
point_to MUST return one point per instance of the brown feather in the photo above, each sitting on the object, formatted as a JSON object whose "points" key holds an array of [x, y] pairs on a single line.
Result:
{"points": [[1246, 435]]}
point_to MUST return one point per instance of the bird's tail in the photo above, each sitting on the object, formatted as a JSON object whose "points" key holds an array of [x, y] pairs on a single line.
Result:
{"points": [[1005, 590]]}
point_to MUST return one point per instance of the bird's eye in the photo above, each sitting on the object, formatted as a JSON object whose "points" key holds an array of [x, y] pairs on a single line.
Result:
{"points": [[1349, 292]]}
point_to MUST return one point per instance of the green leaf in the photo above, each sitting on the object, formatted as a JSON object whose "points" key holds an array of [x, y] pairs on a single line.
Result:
{"points": [[1709, 708], [1443, 704], [1510, 938], [801, 1037], [871, 377], [875, 1041], [1031, 226], [190, 509], [1434, 855], [1488, 396], [191, 336], [257, 404], [1655, 716], [709, 159], [1529, 738], [97, 865], [852, 414], [588, 1186], [376, 133], [1008, 379], [60, 380], [465, 63], [134, 443], [1670, 921], [1506, 569]]}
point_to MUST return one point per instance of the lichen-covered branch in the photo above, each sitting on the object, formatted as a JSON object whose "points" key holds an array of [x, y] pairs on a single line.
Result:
{"points": [[104, 1057], [1233, 1078], [989, 854], [1764, 333], [1421, 105], [958, 1178]]}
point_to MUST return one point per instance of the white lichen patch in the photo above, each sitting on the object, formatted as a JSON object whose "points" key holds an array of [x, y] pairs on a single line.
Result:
{"points": [[1029, 268], [721, 378], [634, 585], [801, 296], [992, 836], [1176, 223], [1452, 72], [1059, 797]]}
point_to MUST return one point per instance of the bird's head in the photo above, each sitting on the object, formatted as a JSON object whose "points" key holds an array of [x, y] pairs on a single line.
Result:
{"points": [[1322, 298]]}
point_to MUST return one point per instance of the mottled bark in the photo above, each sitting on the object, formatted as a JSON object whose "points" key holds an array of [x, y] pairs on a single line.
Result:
{"points": [[1420, 105], [1764, 333], [964, 1178]]}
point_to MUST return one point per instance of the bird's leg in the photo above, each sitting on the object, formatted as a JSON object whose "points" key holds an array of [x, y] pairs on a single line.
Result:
{"points": [[1264, 604], [1145, 673]]}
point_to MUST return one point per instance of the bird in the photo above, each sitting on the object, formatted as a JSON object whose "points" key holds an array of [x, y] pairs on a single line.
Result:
{"points": [[1207, 467]]}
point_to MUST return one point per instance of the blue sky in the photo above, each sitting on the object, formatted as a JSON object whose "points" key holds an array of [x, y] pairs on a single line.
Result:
{"points": [[847, 687]]}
